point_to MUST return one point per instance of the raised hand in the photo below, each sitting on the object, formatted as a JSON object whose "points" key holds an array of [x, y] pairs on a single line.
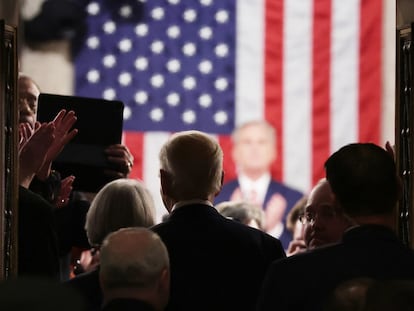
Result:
{"points": [[274, 212], [32, 151], [65, 191], [64, 133], [295, 247], [25, 131], [121, 161]]}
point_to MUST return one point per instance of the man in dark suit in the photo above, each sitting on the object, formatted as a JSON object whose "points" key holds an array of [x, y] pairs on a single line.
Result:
{"points": [[365, 184], [216, 263], [254, 151]]}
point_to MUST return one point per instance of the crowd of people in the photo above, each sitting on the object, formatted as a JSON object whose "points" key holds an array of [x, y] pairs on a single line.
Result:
{"points": [[222, 247]]}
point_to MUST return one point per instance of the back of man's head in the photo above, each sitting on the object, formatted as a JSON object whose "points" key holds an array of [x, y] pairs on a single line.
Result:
{"points": [[134, 263], [363, 178], [194, 163]]}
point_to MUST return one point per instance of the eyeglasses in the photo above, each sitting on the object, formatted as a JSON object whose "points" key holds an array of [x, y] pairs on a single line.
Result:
{"points": [[309, 218]]}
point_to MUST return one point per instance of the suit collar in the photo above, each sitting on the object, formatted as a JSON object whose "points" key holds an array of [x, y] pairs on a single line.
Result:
{"points": [[194, 210], [369, 232]]}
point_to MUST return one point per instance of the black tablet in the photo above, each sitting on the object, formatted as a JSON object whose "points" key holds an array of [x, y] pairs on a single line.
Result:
{"points": [[99, 123]]}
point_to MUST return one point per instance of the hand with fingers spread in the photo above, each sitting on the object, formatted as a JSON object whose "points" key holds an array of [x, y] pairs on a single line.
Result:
{"points": [[121, 161], [32, 151], [25, 131], [65, 191], [64, 133]]}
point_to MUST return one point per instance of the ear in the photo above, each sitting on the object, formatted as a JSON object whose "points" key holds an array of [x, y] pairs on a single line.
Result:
{"points": [[166, 190], [165, 180], [163, 286], [221, 184], [165, 278]]}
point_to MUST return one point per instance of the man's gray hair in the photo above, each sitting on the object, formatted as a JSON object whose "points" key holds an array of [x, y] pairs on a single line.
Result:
{"points": [[194, 161]]}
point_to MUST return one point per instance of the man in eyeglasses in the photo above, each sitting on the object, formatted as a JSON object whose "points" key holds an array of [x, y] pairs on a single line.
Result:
{"points": [[324, 223], [366, 188]]}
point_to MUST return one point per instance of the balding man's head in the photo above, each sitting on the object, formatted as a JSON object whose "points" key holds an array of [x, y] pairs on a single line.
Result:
{"points": [[134, 263]]}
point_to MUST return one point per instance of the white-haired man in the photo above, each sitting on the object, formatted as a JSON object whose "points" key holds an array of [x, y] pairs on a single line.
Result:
{"points": [[216, 263]]}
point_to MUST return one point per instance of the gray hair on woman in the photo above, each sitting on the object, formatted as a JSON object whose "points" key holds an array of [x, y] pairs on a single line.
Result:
{"points": [[119, 204]]}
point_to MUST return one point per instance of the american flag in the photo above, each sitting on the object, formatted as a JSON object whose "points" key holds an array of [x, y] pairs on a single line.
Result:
{"points": [[312, 68]]}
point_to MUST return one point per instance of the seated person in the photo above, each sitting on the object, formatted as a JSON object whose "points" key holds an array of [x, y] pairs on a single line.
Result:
{"points": [[134, 271]]}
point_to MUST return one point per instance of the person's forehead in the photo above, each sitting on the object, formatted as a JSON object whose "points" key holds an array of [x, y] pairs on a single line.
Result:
{"points": [[28, 86], [326, 205], [320, 195], [258, 132]]}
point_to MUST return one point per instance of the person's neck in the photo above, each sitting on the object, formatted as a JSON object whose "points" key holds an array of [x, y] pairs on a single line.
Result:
{"points": [[254, 174], [387, 220], [145, 295]]}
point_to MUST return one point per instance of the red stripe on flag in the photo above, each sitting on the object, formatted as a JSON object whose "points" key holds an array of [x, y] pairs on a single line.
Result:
{"points": [[321, 86], [228, 165], [135, 143], [370, 71], [273, 76]]}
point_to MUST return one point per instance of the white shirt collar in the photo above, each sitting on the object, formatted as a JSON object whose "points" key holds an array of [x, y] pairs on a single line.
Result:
{"points": [[260, 185], [191, 202]]}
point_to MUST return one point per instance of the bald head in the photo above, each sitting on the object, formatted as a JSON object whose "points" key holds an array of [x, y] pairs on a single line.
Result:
{"points": [[191, 166], [132, 257], [134, 264]]}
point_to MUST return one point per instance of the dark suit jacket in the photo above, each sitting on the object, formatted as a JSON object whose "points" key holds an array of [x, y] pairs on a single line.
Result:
{"points": [[126, 304], [87, 285], [291, 195], [303, 282], [216, 263], [38, 249]]}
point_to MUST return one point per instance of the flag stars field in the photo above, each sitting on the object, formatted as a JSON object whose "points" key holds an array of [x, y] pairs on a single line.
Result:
{"points": [[165, 63]]}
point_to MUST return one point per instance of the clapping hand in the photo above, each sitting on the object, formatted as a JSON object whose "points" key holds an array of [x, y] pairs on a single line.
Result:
{"points": [[64, 133], [33, 148]]}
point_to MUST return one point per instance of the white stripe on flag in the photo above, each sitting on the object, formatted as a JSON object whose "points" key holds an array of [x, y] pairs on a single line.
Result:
{"points": [[152, 144], [297, 96], [249, 61], [345, 72], [388, 71]]}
